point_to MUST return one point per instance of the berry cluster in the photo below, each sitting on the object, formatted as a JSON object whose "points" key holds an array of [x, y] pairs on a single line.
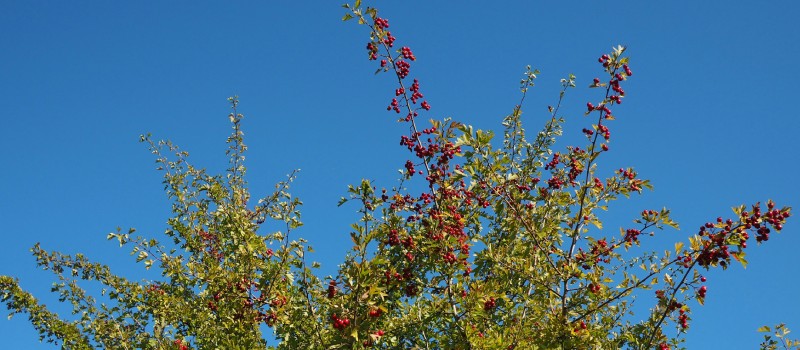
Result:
{"points": [[683, 318], [415, 94], [773, 216], [155, 289], [407, 54], [575, 165], [340, 323], [381, 23], [701, 293], [553, 162], [628, 176], [580, 327], [599, 252], [598, 183], [211, 244], [375, 312], [603, 130], [632, 235], [616, 66], [180, 344], [724, 233], [489, 304], [403, 68], [331, 289]]}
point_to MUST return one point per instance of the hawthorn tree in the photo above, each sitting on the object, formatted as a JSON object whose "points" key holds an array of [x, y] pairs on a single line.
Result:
{"points": [[484, 243]]}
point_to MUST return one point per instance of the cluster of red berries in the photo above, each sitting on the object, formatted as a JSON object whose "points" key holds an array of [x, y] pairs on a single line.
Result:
{"points": [[392, 277], [211, 243], [373, 52], [660, 294], [155, 288], [599, 253], [627, 69], [615, 85], [575, 166], [394, 239], [415, 94], [244, 284], [773, 216], [331, 289], [650, 215], [278, 301], [340, 323], [683, 318], [702, 292], [489, 304], [181, 346], [403, 68], [449, 257], [268, 318], [598, 183], [594, 288], [605, 60], [581, 327], [411, 290], [407, 54], [389, 40], [687, 260], [632, 235], [723, 233], [663, 346], [375, 312], [381, 23], [602, 108], [409, 256], [602, 129], [630, 175], [413, 141], [674, 305], [610, 99], [394, 106], [553, 162], [555, 182]]}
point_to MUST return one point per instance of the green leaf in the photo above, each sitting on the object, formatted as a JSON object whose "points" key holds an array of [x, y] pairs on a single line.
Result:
{"points": [[764, 329], [347, 17], [739, 256]]}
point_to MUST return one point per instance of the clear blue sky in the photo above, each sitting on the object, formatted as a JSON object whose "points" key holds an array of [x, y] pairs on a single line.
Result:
{"points": [[709, 117]]}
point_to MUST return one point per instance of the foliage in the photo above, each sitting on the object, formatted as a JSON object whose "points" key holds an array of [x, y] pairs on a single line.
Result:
{"points": [[778, 337], [482, 244]]}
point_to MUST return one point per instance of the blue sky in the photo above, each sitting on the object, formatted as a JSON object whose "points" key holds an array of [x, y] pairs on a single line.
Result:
{"points": [[709, 117]]}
